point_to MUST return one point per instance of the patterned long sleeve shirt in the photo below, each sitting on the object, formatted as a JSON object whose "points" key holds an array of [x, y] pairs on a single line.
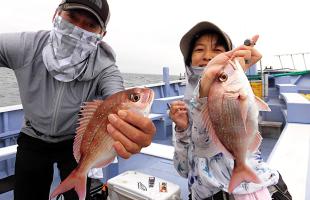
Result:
{"points": [[208, 170]]}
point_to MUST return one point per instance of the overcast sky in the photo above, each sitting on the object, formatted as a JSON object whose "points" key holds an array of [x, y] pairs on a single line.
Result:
{"points": [[145, 34]]}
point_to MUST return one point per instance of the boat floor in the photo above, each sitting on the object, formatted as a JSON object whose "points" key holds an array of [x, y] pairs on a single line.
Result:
{"points": [[156, 166]]}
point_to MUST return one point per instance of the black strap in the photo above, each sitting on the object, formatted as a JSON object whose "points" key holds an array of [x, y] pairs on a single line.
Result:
{"points": [[218, 196], [7, 184]]}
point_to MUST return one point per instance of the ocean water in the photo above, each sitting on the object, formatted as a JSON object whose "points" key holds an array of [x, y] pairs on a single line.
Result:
{"points": [[9, 93]]}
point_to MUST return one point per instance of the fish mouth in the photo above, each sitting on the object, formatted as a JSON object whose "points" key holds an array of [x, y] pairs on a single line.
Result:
{"points": [[231, 91], [232, 95], [151, 96], [147, 99], [150, 99]]}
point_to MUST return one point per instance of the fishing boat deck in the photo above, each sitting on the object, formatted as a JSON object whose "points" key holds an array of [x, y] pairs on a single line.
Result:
{"points": [[291, 157], [156, 160]]}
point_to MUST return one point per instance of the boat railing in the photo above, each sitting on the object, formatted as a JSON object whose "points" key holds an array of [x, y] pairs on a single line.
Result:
{"points": [[292, 57], [10, 124], [158, 84]]}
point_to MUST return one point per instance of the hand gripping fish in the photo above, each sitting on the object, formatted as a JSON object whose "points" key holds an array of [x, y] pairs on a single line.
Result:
{"points": [[231, 117], [93, 147]]}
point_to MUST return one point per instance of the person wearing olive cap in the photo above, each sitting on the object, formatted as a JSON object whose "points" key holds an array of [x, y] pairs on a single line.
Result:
{"points": [[56, 72], [205, 49]]}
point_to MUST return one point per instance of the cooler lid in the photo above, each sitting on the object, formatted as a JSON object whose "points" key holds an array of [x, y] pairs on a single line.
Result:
{"points": [[144, 186]]}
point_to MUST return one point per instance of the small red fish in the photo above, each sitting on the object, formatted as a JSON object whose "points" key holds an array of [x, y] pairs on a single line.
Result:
{"points": [[231, 117], [93, 147]]}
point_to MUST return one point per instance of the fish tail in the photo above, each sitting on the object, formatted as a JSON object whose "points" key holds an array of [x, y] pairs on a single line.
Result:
{"points": [[240, 174], [74, 181]]}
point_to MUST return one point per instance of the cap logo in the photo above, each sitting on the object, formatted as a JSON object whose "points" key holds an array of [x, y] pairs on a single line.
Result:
{"points": [[96, 2]]}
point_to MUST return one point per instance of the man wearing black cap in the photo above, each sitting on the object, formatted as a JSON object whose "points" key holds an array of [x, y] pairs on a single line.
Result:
{"points": [[56, 72]]}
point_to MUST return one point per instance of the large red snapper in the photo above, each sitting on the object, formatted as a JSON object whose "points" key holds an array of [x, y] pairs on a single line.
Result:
{"points": [[231, 117], [93, 147]]}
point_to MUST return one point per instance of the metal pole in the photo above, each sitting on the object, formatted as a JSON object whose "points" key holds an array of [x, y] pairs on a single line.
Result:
{"points": [[293, 61], [262, 78], [303, 56], [266, 83], [280, 61], [166, 81]]}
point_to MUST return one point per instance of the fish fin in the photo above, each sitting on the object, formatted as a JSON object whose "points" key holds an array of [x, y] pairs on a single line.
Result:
{"points": [[88, 110], [240, 174], [106, 161], [73, 181], [256, 142], [262, 105], [205, 122], [244, 107]]}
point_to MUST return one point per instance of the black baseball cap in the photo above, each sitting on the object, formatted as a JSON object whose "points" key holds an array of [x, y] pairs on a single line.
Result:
{"points": [[99, 8], [195, 32]]}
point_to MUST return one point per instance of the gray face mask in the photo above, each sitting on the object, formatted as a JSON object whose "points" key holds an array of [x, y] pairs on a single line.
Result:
{"points": [[193, 76], [68, 51]]}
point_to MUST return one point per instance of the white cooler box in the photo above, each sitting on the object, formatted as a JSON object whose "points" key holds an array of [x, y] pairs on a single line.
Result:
{"points": [[132, 185]]}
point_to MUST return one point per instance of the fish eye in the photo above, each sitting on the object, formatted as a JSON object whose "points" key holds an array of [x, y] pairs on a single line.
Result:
{"points": [[223, 77], [134, 97]]}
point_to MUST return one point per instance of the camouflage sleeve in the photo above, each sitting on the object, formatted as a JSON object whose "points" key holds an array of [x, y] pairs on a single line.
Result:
{"points": [[198, 102], [182, 143], [180, 158]]}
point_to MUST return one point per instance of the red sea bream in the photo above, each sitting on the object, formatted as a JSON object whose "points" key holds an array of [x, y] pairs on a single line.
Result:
{"points": [[231, 117], [93, 147]]}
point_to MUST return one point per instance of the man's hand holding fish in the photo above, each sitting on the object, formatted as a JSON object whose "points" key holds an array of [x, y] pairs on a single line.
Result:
{"points": [[131, 131]]}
